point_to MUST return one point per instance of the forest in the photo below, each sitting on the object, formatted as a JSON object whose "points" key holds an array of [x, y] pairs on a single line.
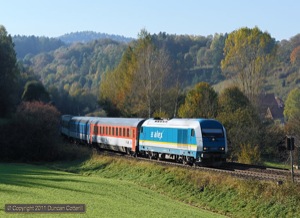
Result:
{"points": [[219, 76], [75, 70]]}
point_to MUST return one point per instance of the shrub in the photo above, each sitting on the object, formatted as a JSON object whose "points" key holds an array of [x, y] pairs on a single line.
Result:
{"points": [[249, 154], [33, 133]]}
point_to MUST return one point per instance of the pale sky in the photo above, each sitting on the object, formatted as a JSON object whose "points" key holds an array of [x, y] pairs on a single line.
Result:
{"points": [[52, 18]]}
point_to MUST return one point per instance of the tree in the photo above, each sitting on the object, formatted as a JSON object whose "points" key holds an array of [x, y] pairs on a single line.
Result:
{"points": [[292, 105], [217, 48], [35, 91], [232, 99], [292, 115], [248, 53], [201, 101], [8, 73], [295, 56], [116, 86], [138, 86], [241, 121], [33, 134], [151, 72]]}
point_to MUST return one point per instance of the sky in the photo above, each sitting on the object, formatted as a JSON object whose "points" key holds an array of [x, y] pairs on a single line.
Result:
{"points": [[53, 18]]}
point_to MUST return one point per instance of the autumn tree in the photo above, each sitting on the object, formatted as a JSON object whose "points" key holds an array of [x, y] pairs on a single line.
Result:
{"points": [[137, 87], [201, 101], [232, 99], [295, 56], [116, 86], [248, 53], [33, 134], [292, 104], [153, 68], [8, 73], [242, 123]]}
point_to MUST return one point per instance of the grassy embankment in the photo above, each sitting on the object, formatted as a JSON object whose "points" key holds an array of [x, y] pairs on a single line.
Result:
{"points": [[103, 197], [115, 187], [215, 192]]}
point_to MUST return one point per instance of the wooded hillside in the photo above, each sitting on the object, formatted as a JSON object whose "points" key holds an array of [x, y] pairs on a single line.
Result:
{"points": [[76, 69]]}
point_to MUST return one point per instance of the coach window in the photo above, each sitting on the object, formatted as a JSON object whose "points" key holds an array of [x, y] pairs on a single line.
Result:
{"points": [[113, 130], [124, 132], [120, 131], [193, 132], [117, 131], [106, 130], [127, 132], [96, 130]]}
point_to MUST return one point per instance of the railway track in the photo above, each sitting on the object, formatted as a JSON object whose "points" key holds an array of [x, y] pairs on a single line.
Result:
{"points": [[234, 169]]}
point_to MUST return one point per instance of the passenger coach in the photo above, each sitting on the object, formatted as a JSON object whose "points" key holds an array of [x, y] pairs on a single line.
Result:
{"points": [[79, 129], [64, 125], [120, 134]]}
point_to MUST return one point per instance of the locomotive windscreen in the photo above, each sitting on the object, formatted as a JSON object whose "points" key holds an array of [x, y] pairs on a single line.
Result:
{"points": [[213, 133]]}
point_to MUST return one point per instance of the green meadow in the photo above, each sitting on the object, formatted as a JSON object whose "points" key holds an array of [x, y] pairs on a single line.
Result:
{"points": [[119, 187], [103, 197]]}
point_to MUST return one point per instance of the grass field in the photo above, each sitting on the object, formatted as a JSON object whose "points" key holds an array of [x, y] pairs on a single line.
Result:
{"points": [[103, 197], [213, 191], [118, 187]]}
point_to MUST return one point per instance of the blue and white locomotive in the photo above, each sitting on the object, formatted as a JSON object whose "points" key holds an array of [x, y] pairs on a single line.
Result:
{"points": [[191, 141]]}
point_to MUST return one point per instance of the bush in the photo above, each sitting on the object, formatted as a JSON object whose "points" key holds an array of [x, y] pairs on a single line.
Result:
{"points": [[273, 142], [33, 133], [249, 154]]}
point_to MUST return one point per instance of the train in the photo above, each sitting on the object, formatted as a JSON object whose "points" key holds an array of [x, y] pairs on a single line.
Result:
{"points": [[190, 141]]}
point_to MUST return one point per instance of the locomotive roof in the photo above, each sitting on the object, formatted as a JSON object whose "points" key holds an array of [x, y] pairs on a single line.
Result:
{"points": [[176, 122]]}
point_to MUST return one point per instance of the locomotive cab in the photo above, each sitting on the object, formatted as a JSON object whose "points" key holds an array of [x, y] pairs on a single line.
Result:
{"points": [[213, 144]]}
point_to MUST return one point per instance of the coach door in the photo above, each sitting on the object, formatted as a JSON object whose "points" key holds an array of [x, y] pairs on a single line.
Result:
{"points": [[191, 138], [88, 132], [133, 136]]}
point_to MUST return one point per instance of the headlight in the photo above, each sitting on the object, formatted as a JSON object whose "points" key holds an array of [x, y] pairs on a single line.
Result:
{"points": [[222, 148], [205, 148]]}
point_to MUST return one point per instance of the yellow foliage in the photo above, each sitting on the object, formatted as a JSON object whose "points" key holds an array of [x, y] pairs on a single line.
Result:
{"points": [[249, 154]]}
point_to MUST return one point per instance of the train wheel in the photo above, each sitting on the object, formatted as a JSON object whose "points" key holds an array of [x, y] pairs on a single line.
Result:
{"points": [[161, 156], [133, 154], [128, 151], [150, 155], [191, 161]]}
